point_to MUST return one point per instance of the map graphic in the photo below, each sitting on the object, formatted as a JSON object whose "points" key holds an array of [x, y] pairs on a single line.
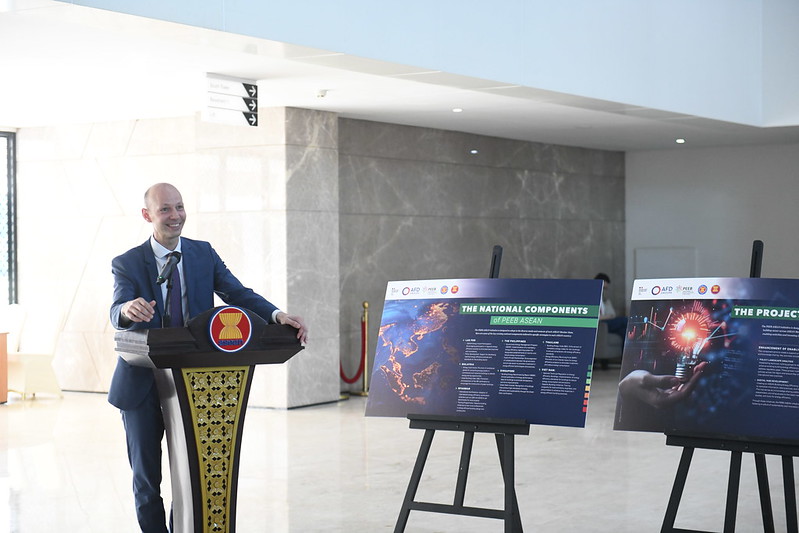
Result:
{"points": [[487, 348]]}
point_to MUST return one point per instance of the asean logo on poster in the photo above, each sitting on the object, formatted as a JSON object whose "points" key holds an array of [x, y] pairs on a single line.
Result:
{"points": [[230, 329]]}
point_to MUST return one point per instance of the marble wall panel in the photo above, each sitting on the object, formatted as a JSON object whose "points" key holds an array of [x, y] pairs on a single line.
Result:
{"points": [[606, 198], [419, 188], [252, 245], [417, 204], [95, 368], [313, 373], [52, 143], [374, 139], [240, 179], [397, 187], [175, 135], [309, 128], [312, 270], [270, 386], [109, 139], [312, 233], [311, 179]]}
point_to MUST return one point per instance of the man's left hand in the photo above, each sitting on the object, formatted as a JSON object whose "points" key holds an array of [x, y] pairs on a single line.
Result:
{"points": [[295, 322]]}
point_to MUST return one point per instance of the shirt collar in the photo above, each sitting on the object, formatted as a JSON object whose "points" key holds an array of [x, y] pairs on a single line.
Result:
{"points": [[160, 250]]}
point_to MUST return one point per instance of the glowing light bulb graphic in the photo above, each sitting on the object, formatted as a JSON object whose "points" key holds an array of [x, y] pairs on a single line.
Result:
{"points": [[689, 334], [688, 361]]}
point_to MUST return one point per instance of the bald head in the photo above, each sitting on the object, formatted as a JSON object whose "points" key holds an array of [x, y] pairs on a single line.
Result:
{"points": [[157, 191], [163, 208]]}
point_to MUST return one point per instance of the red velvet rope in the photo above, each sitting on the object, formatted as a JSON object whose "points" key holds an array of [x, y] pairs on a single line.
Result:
{"points": [[363, 358]]}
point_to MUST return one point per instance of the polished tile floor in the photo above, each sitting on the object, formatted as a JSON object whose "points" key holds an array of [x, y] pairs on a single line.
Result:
{"points": [[328, 468]]}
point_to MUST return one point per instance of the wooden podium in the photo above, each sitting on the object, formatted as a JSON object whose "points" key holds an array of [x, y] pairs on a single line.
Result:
{"points": [[204, 372]]}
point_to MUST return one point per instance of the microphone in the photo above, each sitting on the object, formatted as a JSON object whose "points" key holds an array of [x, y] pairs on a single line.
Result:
{"points": [[172, 261]]}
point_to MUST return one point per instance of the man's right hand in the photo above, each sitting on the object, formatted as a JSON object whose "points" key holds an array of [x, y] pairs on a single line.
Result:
{"points": [[138, 310]]}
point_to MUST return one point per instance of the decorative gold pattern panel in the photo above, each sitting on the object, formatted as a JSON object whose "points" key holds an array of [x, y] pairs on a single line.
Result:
{"points": [[216, 397]]}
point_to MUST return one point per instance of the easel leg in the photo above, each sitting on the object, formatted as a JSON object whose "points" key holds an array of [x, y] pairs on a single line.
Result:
{"points": [[676, 490], [463, 469], [790, 494], [733, 485], [505, 447], [416, 477], [765, 494]]}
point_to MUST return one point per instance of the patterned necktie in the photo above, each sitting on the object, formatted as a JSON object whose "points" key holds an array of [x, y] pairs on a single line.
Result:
{"points": [[175, 302]]}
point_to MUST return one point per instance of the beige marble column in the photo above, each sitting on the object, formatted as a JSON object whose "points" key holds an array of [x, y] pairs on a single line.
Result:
{"points": [[309, 163]]}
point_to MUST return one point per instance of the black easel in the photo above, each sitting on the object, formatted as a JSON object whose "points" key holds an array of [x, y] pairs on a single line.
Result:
{"points": [[503, 430], [737, 448]]}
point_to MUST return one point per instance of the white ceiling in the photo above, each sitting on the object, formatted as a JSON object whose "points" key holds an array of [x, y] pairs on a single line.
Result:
{"points": [[64, 64]]}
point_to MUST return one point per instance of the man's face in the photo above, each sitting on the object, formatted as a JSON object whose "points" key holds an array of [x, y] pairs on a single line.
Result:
{"points": [[165, 211]]}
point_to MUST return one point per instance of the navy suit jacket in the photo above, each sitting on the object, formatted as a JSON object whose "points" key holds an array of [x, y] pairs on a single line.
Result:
{"points": [[204, 274]]}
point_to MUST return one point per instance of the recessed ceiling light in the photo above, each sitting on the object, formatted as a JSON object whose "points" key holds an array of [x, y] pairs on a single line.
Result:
{"points": [[474, 151], [457, 110], [680, 141]]}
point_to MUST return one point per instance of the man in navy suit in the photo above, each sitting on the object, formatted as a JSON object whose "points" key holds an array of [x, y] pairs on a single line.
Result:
{"points": [[138, 304]]}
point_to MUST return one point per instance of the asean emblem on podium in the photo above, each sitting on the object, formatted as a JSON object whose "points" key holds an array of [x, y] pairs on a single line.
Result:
{"points": [[230, 329]]}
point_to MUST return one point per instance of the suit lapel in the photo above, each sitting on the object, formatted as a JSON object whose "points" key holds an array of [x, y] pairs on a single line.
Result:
{"points": [[190, 262], [151, 268]]}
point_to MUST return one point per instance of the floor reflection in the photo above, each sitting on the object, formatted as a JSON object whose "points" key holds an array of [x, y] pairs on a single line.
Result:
{"points": [[63, 468]]}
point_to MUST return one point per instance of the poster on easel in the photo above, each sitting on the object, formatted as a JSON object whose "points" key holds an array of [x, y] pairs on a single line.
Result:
{"points": [[712, 357], [486, 348]]}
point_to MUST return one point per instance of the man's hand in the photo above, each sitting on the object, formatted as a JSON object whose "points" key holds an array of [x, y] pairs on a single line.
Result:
{"points": [[138, 310], [295, 322]]}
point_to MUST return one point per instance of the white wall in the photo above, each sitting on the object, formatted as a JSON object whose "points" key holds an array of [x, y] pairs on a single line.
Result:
{"points": [[716, 201], [780, 60]]}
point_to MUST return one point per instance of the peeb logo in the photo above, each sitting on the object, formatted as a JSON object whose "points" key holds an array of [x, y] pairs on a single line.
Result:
{"points": [[230, 329]]}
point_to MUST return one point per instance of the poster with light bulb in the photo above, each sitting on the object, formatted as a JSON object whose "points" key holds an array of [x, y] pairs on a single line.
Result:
{"points": [[712, 357]]}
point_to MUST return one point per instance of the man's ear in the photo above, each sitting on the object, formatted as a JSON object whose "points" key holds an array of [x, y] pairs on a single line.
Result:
{"points": [[146, 214]]}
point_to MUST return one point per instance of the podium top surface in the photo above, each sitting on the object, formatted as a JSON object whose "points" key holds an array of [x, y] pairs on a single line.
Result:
{"points": [[193, 345]]}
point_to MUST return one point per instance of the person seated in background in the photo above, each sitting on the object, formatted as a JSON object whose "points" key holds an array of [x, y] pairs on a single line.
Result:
{"points": [[607, 313]]}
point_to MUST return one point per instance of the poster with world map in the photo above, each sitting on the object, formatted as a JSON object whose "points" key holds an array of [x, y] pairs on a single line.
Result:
{"points": [[487, 348]]}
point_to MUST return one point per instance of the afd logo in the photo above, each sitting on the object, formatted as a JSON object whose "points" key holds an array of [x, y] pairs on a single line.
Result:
{"points": [[666, 289]]}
